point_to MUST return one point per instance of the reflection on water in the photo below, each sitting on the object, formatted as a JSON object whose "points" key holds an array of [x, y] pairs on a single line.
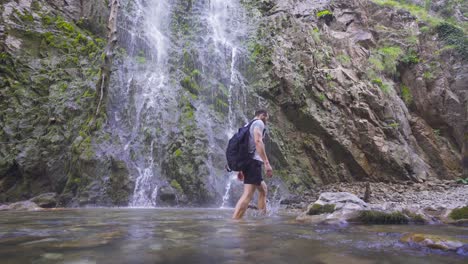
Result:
{"points": [[202, 236]]}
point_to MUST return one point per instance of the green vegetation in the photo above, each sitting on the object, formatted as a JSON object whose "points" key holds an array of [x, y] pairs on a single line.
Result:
{"points": [[459, 213], [256, 50], [394, 125], [454, 36], [413, 217], [418, 11], [317, 209], [176, 185], [427, 75], [406, 95], [178, 152], [140, 58], [436, 132], [389, 57], [411, 57], [344, 59], [376, 217], [315, 33], [324, 13], [321, 97], [463, 181], [383, 86]]}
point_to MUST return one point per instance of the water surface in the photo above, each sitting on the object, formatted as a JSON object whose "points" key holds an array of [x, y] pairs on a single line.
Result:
{"points": [[128, 235]]}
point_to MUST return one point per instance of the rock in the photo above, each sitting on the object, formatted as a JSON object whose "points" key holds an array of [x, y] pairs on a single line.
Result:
{"points": [[342, 200], [21, 206], [432, 241], [333, 208], [463, 250], [45, 200]]}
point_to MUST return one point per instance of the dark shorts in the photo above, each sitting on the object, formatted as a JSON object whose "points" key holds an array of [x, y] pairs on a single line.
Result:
{"points": [[253, 172]]}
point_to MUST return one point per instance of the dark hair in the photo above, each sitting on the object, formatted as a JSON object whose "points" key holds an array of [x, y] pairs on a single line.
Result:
{"points": [[261, 111]]}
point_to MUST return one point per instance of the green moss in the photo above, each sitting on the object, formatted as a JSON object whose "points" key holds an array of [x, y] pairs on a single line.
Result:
{"points": [[47, 20], [459, 213], [317, 209], [60, 23], [189, 84], [323, 13], [178, 152], [140, 58], [25, 16], [414, 218], [176, 185], [376, 217]]}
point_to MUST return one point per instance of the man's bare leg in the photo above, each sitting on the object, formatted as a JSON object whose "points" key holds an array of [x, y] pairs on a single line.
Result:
{"points": [[262, 197], [243, 203]]}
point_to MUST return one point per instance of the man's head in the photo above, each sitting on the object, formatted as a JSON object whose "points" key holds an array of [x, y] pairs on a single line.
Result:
{"points": [[262, 114]]}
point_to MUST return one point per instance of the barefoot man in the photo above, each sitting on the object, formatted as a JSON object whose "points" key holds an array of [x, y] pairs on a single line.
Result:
{"points": [[252, 173]]}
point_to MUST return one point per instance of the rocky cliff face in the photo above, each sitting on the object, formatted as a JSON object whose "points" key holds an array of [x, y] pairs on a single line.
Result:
{"points": [[357, 90], [362, 91], [50, 56]]}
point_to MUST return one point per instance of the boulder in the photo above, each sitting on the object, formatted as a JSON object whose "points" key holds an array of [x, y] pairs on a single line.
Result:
{"points": [[333, 208], [432, 241], [21, 206], [45, 200]]}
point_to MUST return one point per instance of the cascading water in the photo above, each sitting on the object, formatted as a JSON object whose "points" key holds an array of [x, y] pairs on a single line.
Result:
{"points": [[177, 96]]}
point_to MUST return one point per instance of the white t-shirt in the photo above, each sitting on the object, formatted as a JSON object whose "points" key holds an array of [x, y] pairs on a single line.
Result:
{"points": [[260, 125]]}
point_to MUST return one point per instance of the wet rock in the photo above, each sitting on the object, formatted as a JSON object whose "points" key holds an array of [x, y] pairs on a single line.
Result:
{"points": [[432, 241], [167, 195], [45, 200], [333, 208], [463, 250], [21, 206]]}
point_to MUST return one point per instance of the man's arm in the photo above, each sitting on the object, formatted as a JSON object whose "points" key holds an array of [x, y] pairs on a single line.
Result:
{"points": [[260, 147]]}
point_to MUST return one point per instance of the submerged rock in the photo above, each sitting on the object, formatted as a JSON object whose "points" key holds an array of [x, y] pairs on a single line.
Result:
{"points": [[432, 241]]}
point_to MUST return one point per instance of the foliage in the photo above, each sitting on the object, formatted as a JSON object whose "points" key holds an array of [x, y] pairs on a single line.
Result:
{"points": [[140, 58], [463, 181], [453, 35], [459, 213], [394, 125], [376, 217], [344, 59], [315, 33], [383, 86], [323, 13], [389, 57], [317, 209], [321, 97], [176, 185], [411, 57], [406, 94], [178, 152], [427, 75], [418, 11], [414, 218]]}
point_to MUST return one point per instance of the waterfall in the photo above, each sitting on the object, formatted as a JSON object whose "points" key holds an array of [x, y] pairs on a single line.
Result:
{"points": [[176, 97]]}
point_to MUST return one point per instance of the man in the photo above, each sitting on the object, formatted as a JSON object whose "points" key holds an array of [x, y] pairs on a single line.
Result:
{"points": [[252, 173]]}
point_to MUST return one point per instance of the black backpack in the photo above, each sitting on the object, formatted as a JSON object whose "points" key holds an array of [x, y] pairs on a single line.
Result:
{"points": [[237, 152]]}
